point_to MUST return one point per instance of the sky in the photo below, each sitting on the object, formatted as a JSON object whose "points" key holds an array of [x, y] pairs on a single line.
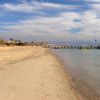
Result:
{"points": [[50, 20]]}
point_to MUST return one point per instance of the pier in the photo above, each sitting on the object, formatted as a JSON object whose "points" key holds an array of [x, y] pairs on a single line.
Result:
{"points": [[52, 46]]}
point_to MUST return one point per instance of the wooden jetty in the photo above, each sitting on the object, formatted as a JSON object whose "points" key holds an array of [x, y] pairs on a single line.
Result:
{"points": [[53, 46]]}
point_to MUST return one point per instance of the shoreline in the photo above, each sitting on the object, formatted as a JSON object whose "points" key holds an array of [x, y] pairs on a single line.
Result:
{"points": [[35, 74], [68, 75]]}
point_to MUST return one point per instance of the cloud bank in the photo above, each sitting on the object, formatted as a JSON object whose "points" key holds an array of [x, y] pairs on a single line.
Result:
{"points": [[66, 21]]}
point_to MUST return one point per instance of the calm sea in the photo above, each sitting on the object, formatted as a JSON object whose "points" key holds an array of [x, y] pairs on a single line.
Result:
{"points": [[84, 67]]}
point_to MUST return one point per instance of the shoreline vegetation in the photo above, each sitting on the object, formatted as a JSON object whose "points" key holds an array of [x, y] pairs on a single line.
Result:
{"points": [[13, 42], [31, 72]]}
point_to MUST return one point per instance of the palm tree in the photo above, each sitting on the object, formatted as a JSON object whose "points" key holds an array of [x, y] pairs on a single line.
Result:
{"points": [[11, 39], [95, 42]]}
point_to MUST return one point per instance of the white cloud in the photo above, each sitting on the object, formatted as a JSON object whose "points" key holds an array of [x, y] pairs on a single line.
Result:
{"points": [[60, 23], [94, 4], [90, 17], [34, 6], [58, 27], [91, 24], [96, 7], [98, 1], [20, 7]]}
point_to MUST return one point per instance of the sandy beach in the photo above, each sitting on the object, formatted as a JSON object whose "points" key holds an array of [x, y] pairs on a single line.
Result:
{"points": [[32, 73]]}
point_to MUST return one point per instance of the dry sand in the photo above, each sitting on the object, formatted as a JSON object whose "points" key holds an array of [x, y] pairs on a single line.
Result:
{"points": [[32, 73]]}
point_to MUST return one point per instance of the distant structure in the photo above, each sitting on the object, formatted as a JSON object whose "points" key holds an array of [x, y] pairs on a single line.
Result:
{"points": [[45, 44], [55, 46], [13, 42], [84, 47]]}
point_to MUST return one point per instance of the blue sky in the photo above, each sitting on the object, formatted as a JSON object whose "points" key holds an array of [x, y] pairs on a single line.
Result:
{"points": [[50, 19]]}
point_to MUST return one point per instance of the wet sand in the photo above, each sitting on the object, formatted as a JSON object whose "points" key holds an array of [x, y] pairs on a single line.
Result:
{"points": [[32, 73]]}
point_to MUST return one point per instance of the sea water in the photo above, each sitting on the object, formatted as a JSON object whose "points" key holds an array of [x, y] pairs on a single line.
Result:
{"points": [[84, 68]]}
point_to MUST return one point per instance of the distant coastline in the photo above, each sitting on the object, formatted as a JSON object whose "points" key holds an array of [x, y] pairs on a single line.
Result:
{"points": [[45, 44]]}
